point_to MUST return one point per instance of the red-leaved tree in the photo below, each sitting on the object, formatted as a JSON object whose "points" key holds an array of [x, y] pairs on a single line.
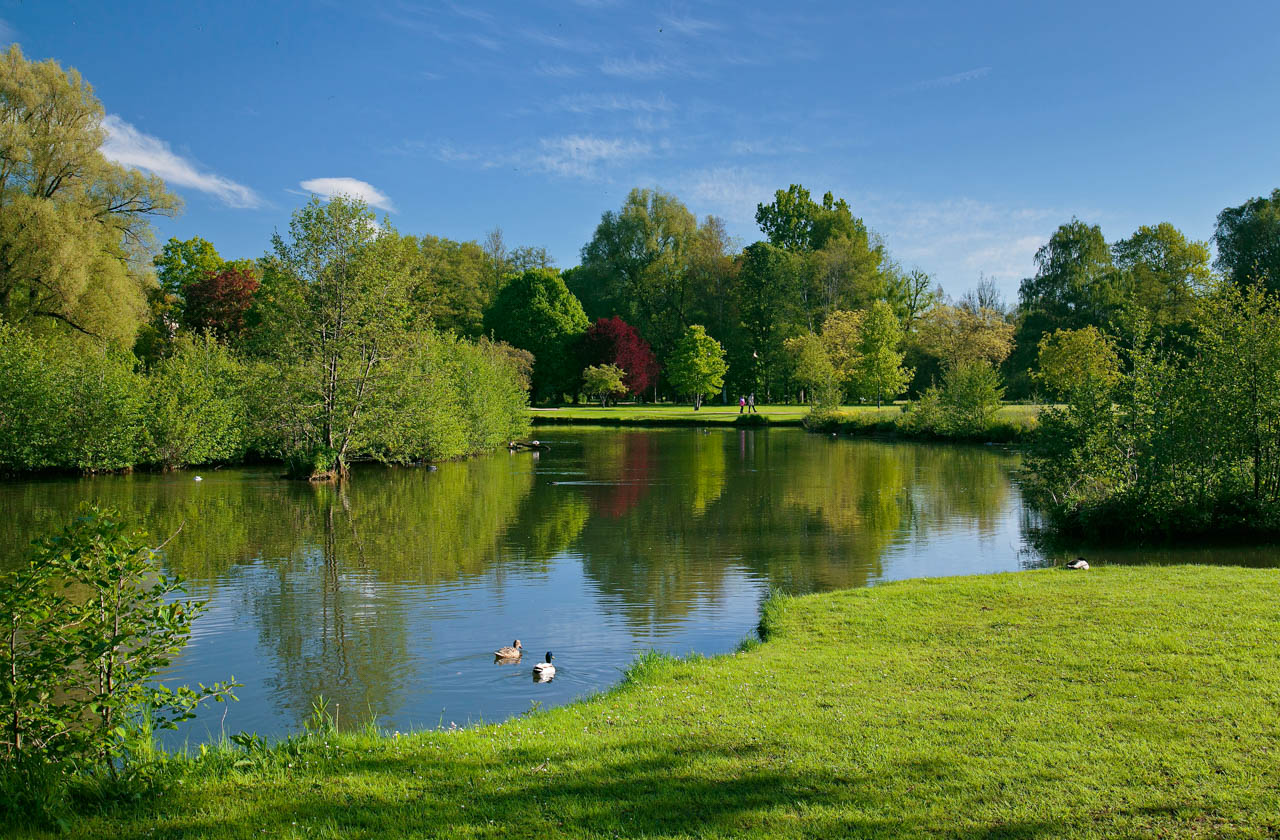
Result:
{"points": [[217, 302], [612, 341]]}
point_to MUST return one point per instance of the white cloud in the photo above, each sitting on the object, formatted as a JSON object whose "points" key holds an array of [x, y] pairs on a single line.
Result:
{"points": [[949, 81], [729, 192], [555, 71], [7, 33], [586, 103], [128, 146], [634, 68], [580, 156], [688, 25], [350, 187]]}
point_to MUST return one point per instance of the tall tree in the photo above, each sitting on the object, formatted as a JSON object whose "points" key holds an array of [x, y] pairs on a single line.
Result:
{"points": [[957, 335], [219, 302], [1074, 286], [696, 366], [1248, 240], [796, 222], [767, 302], [880, 371], [75, 229], [535, 311], [337, 342], [1162, 273], [636, 266]]}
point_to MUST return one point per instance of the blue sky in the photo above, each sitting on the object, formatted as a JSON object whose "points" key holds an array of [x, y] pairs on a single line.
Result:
{"points": [[963, 133]]}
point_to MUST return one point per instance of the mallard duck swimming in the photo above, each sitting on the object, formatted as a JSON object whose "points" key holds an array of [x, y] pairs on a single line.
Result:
{"points": [[544, 671], [513, 652]]}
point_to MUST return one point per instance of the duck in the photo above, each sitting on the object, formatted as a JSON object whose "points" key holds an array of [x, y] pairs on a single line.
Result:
{"points": [[1079, 563], [544, 671], [515, 651]]}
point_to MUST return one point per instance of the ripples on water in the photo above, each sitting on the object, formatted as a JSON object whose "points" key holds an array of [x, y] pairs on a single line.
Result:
{"points": [[388, 594]]}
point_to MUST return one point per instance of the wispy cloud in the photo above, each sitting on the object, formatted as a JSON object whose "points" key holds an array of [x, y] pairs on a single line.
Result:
{"points": [[8, 34], [634, 68], [586, 103], [690, 26], [555, 71], [350, 187], [950, 81], [729, 192], [580, 156], [764, 148], [128, 146], [583, 156]]}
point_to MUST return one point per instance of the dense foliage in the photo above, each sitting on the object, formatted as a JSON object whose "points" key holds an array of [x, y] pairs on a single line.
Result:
{"points": [[87, 624], [1186, 438]]}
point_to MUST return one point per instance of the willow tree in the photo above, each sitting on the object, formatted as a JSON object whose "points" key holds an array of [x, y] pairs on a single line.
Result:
{"points": [[75, 231]]}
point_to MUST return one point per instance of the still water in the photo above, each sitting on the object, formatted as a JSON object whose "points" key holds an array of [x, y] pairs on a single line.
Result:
{"points": [[387, 595]]}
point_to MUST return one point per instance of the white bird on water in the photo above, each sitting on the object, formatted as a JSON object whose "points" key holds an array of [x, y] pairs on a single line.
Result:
{"points": [[544, 671]]}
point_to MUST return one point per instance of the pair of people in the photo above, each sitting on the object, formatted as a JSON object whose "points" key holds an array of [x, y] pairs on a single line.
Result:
{"points": [[747, 404]]}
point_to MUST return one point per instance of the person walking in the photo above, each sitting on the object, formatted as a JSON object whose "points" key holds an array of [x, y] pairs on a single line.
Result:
{"points": [[742, 404], [751, 403]]}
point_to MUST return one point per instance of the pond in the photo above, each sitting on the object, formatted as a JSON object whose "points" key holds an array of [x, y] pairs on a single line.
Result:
{"points": [[386, 595]]}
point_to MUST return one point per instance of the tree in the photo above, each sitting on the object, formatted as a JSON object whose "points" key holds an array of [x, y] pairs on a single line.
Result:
{"points": [[796, 222], [1162, 273], [218, 302], [696, 365], [536, 312], [604, 381], [636, 266], [340, 325], [74, 227], [1248, 240], [842, 340], [766, 299], [453, 283], [811, 369], [182, 262], [1074, 286], [612, 341], [956, 335], [1072, 360], [880, 371], [912, 293]]}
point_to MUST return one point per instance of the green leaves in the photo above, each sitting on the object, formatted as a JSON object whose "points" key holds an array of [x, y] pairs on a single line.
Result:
{"points": [[86, 626], [697, 366]]}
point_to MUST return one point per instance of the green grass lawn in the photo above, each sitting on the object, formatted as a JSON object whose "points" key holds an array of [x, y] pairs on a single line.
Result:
{"points": [[712, 414], [1118, 702]]}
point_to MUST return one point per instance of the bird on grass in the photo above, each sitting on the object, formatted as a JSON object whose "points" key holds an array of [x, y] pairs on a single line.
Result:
{"points": [[1079, 563], [514, 651], [544, 671]]}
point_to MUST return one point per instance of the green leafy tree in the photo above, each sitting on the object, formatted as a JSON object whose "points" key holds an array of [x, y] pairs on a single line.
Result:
{"points": [[535, 311], [811, 369], [74, 228], [1248, 241], [795, 222], [182, 262], [1072, 361], [880, 373], [767, 304], [842, 340], [195, 411], [696, 365], [603, 381], [637, 266], [958, 334], [1074, 286], [1163, 273], [339, 333]]}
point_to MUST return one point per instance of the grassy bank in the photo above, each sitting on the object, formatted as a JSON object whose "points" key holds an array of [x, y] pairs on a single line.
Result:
{"points": [[1012, 423], [1134, 702], [664, 415]]}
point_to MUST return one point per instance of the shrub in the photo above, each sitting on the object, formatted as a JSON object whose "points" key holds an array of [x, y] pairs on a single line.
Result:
{"points": [[195, 408], [964, 407], [86, 626]]}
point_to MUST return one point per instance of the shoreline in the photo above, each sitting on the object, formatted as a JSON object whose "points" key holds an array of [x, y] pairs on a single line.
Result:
{"points": [[1046, 703]]}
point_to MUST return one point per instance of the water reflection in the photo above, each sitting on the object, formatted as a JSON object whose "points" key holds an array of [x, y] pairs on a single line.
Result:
{"points": [[388, 595]]}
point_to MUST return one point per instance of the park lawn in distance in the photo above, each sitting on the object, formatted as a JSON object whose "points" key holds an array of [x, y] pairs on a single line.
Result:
{"points": [[1121, 701], [709, 414]]}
